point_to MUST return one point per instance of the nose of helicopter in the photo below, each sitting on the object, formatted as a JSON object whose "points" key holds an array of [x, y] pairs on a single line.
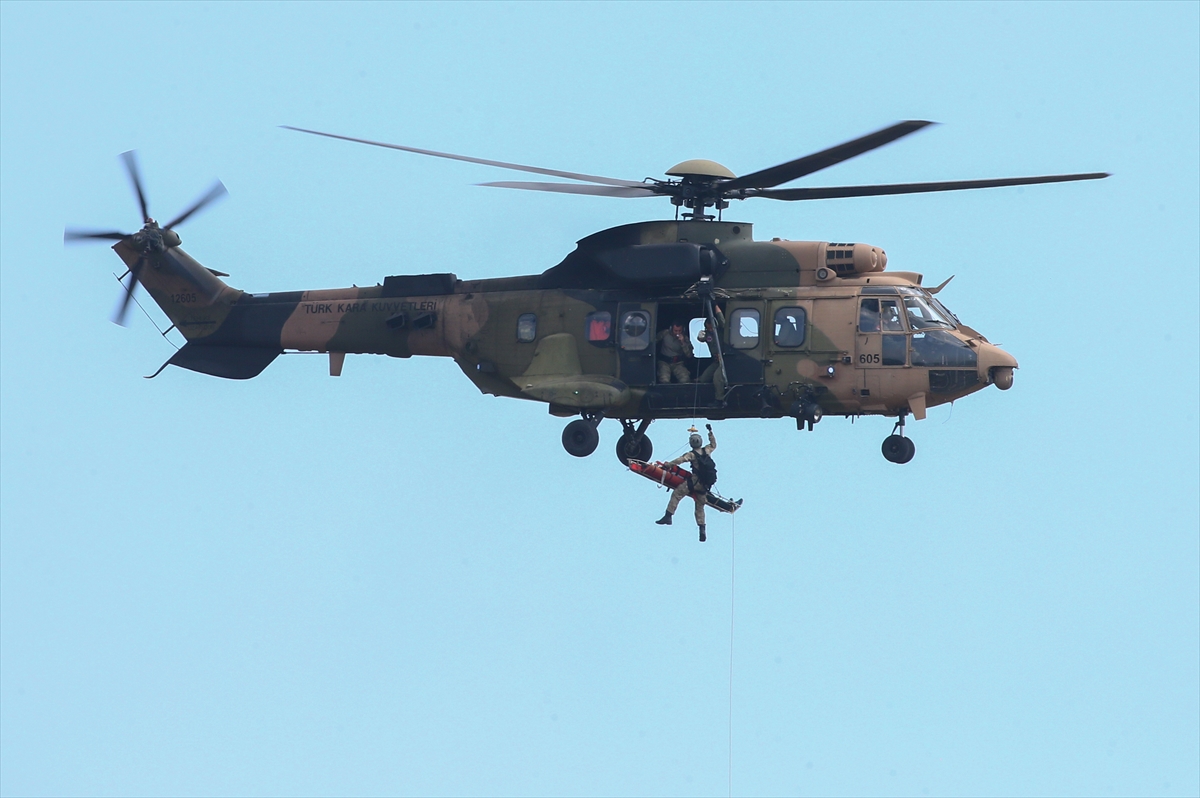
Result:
{"points": [[996, 366]]}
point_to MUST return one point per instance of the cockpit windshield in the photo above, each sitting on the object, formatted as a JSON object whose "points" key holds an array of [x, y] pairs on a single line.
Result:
{"points": [[926, 313], [945, 310]]}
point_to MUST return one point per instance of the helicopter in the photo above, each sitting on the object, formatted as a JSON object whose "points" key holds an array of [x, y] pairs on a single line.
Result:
{"points": [[793, 329]]}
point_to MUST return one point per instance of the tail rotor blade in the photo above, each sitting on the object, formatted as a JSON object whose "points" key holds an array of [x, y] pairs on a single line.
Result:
{"points": [[216, 192], [119, 317], [70, 236], [135, 177]]}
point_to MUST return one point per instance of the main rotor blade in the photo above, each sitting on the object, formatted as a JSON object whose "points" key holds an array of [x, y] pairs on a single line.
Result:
{"points": [[131, 166], [836, 192], [70, 235], [640, 190], [610, 181], [217, 191], [800, 167], [119, 318]]}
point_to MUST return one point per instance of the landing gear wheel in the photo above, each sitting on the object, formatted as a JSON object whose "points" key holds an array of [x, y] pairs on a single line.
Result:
{"points": [[632, 446], [898, 449], [580, 438]]}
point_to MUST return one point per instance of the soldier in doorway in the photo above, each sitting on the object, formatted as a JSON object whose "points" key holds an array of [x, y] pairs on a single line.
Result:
{"points": [[674, 352], [699, 482]]}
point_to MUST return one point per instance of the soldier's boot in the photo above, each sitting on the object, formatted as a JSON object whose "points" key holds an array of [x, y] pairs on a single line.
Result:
{"points": [[665, 520], [703, 537]]}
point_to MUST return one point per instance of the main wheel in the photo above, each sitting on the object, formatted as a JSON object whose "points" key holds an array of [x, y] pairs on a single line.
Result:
{"points": [[897, 449], [580, 438], [631, 446]]}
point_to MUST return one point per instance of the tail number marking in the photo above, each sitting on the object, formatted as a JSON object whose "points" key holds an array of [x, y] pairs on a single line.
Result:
{"points": [[183, 299]]}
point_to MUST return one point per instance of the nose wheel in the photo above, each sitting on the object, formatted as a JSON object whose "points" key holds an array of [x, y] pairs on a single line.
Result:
{"points": [[896, 447]]}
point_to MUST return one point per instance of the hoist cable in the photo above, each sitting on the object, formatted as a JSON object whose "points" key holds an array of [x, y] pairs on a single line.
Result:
{"points": [[732, 574]]}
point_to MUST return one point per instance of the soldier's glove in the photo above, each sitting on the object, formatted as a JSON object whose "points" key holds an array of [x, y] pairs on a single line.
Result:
{"points": [[708, 427]]}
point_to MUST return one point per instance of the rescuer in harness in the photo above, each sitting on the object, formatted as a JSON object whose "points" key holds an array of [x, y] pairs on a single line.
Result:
{"points": [[699, 482]]}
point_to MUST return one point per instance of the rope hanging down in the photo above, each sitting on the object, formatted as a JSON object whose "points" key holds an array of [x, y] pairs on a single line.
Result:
{"points": [[732, 583]]}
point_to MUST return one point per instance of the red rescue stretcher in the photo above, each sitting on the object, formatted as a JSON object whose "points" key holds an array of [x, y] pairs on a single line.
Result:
{"points": [[671, 477]]}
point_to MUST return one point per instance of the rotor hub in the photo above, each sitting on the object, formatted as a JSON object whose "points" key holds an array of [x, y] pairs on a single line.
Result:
{"points": [[153, 239], [700, 169]]}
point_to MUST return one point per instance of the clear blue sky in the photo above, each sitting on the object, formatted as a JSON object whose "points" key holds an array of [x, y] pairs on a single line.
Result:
{"points": [[387, 583]]}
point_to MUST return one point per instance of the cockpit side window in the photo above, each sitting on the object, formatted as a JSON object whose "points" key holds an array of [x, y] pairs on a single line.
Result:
{"points": [[868, 315], [891, 316], [893, 349]]}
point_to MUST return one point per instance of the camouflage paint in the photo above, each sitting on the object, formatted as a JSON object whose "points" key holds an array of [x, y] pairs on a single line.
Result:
{"points": [[234, 334]]}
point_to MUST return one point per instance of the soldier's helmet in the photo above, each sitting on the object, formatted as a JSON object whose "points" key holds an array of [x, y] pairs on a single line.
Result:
{"points": [[695, 440]]}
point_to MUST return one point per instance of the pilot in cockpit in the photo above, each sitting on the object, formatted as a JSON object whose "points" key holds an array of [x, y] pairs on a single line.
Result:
{"points": [[868, 316], [891, 316]]}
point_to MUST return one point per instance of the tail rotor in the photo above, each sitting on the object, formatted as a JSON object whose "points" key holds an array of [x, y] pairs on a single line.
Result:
{"points": [[151, 240]]}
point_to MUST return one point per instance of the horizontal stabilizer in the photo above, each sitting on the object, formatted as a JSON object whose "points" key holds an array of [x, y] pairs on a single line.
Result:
{"points": [[231, 362]]}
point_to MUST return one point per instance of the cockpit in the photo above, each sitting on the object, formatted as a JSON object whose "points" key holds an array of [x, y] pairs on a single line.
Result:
{"points": [[904, 326], [921, 309]]}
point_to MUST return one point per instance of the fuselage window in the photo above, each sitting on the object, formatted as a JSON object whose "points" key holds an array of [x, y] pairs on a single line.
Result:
{"points": [[526, 327], [635, 330], [790, 325], [743, 328], [868, 316], [598, 326]]}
